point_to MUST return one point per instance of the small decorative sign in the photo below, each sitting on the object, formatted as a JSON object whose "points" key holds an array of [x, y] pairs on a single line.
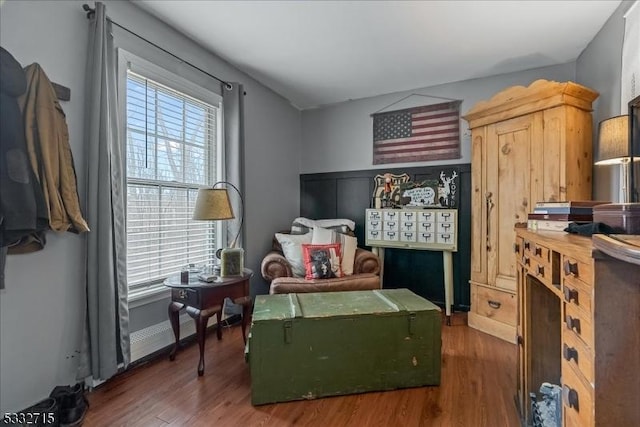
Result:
{"points": [[431, 193], [386, 193]]}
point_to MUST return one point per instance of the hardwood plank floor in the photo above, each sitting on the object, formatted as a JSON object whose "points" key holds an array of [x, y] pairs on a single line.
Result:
{"points": [[477, 388]]}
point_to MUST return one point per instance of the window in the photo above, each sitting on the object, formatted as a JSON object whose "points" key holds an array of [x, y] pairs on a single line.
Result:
{"points": [[171, 151]]}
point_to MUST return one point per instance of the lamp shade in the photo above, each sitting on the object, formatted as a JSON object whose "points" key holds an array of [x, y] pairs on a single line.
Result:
{"points": [[613, 141], [213, 204]]}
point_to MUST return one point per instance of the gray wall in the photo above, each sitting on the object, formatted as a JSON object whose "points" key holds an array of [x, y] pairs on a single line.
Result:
{"points": [[41, 308], [599, 67], [339, 137]]}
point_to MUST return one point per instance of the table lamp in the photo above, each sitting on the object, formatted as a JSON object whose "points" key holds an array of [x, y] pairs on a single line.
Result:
{"points": [[213, 204], [613, 148]]}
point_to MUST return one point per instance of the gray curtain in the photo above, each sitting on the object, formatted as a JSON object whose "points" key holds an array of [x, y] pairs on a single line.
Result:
{"points": [[233, 113], [106, 338]]}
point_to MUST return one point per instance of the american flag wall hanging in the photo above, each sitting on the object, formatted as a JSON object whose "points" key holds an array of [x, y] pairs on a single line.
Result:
{"points": [[417, 134]]}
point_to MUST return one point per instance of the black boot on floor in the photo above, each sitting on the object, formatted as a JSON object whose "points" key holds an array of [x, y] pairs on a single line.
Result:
{"points": [[72, 404]]}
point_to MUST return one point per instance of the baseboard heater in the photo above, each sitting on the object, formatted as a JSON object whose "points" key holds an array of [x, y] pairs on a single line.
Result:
{"points": [[156, 337]]}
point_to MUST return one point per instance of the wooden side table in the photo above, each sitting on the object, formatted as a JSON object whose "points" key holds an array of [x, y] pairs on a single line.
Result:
{"points": [[202, 300]]}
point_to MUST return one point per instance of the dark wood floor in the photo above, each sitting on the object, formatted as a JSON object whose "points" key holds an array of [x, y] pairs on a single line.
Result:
{"points": [[477, 389]]}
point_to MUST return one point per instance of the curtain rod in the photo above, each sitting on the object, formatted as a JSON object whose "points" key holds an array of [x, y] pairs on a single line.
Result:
{"points": [[91, 11]]}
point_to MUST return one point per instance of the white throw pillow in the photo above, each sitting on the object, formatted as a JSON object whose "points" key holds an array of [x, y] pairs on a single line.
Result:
{"points": [[322, 236], [292, 249]]}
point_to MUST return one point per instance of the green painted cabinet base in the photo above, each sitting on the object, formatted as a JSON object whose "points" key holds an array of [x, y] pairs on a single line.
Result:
{"points": [[304, 346]]}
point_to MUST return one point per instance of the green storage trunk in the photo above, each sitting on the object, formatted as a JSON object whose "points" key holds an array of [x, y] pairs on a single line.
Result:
{"points": [[304, 346]]}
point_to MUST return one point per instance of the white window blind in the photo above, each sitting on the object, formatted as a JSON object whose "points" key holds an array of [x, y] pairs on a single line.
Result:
{"points": [[171, 152]]}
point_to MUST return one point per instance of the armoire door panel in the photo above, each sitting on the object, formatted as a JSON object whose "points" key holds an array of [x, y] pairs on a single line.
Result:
{"points": [[509, 157], [552, 156], [478, 215]]}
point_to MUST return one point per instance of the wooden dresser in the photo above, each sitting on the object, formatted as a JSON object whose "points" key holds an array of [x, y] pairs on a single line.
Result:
{"points": [[579, 324], [528, 144]]}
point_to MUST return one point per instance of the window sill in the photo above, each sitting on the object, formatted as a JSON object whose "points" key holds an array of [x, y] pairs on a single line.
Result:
{"points": [[148, 295]]}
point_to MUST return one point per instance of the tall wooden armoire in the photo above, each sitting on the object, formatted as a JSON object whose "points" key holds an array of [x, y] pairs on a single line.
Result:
{"points": [[528, 144]]}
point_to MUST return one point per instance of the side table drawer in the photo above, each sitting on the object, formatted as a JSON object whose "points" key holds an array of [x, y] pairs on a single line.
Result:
{"points": [[186, 296]]}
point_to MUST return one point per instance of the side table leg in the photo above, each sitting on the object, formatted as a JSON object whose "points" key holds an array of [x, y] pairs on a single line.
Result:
{"points": [[201, 326], [246, 312], [219, 325], [174, 309], [447, 261]]}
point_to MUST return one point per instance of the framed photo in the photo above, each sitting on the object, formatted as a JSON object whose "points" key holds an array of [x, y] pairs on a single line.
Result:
{"points": [[231, 262]]}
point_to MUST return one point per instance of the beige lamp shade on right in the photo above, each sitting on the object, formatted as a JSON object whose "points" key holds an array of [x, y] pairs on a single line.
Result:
{"points": [[613, 141]]}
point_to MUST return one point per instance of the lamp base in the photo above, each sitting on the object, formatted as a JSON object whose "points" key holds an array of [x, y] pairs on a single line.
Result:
{"points": [[232, 262]]}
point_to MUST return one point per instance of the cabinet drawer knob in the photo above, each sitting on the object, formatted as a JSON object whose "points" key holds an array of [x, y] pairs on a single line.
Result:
{"points": [[572, 323], [538, 251], [540, 270], [570, 294], [494, 304], [570, 397], [570, 268], [569, 353], [525, 260], [527, 245], [516, 248]]}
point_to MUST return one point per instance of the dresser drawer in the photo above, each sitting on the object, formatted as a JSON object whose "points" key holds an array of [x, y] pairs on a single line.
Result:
{"points": [[408, 225], [572, 268], [426, 216], [518, 249], [391, 225], [374, 234], [538, 252], [576, 354], [390, 215], [445, 216], [374, 215], [426, 237], [580, 323], [427, 226], [374, 225], [576, 292], [577, 396], [445, 227], [540, 270], [494, 304], [408, 236], [408, 216], [391, 235], [446, 238]]}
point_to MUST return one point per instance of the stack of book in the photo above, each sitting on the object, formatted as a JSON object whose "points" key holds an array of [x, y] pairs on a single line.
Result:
{"points": [[556, 216]]}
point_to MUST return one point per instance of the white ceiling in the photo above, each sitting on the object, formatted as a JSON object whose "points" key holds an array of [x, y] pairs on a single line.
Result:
{"points": [[321, 52]]}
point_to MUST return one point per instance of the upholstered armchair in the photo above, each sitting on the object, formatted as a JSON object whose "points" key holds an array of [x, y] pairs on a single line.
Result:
{"points": [[277, 270]]}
